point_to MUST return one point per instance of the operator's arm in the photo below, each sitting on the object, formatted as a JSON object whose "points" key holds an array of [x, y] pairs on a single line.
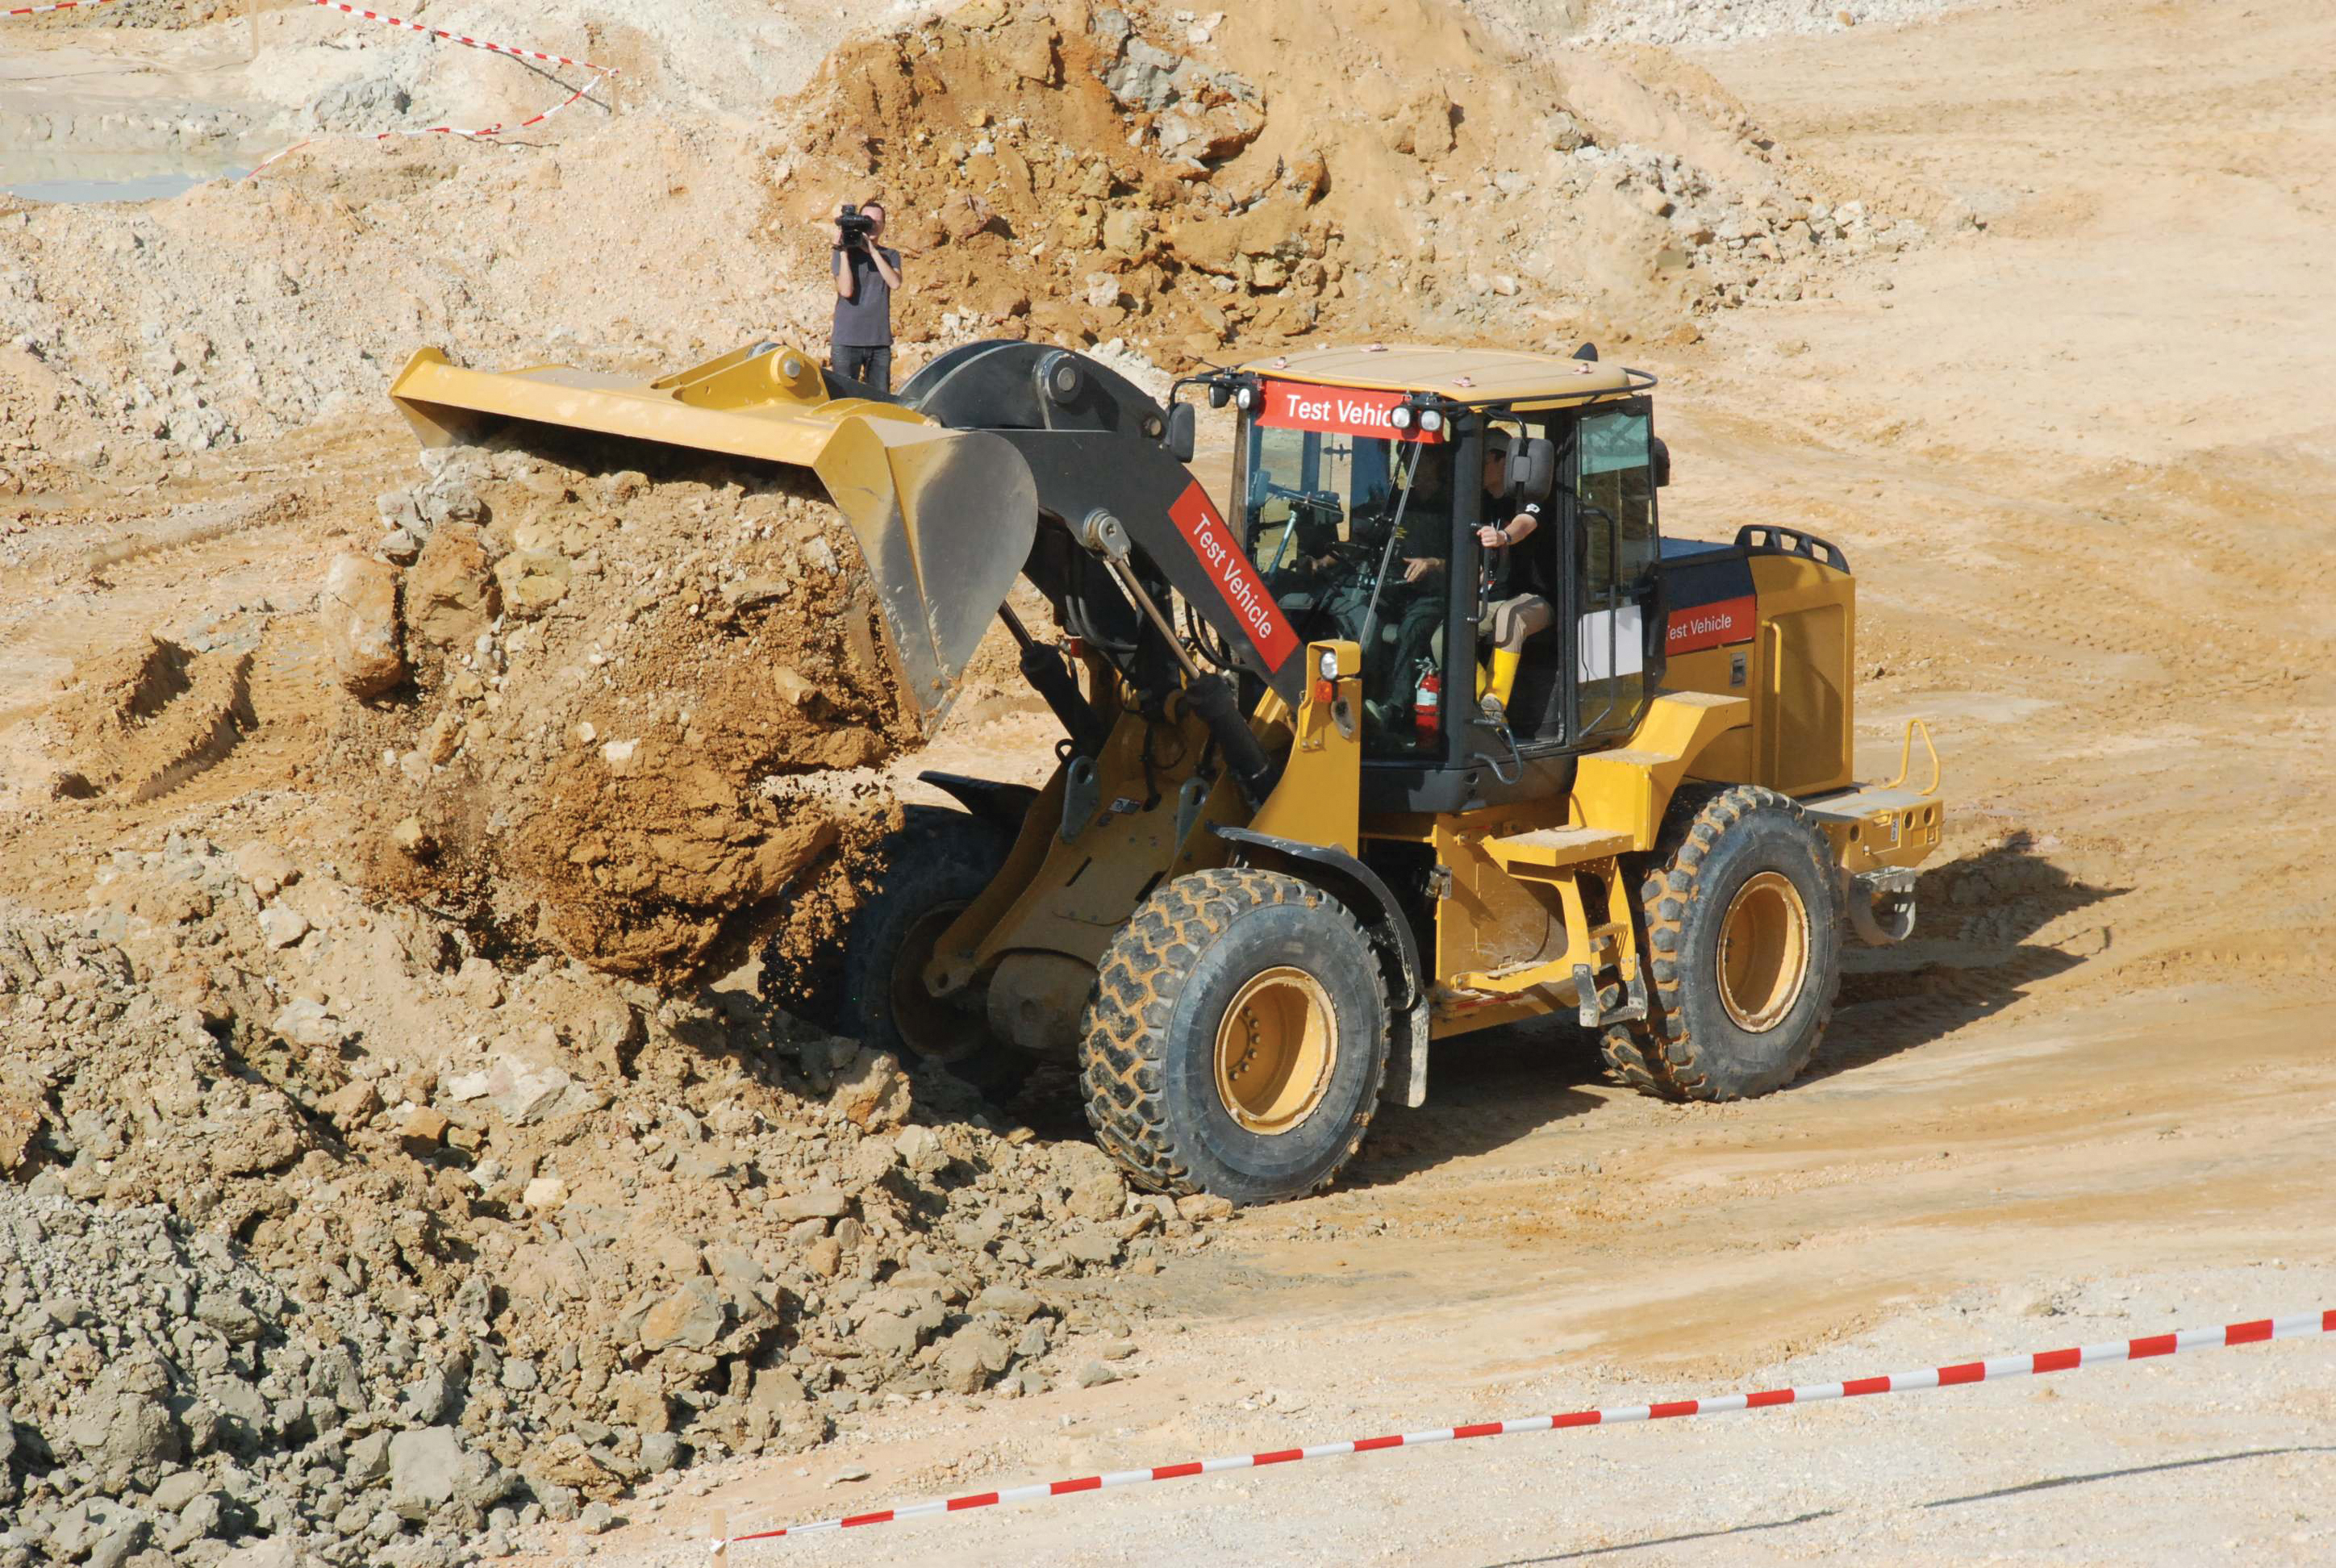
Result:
{"points": [[892, 278], [841, 264], [1520, 529]]}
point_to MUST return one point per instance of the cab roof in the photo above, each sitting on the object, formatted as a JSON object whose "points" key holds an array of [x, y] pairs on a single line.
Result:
{"points": [[1462, 375]]}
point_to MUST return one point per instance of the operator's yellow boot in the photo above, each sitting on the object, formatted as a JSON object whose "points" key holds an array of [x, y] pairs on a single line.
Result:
{"points": [[1505, 673]]}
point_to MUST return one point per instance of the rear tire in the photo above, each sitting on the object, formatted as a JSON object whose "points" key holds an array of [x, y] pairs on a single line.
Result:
{"points": [[1742, 945], [938, 861], [1237, 1038]]}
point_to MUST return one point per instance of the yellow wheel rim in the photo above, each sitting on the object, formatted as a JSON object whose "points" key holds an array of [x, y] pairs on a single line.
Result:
{"points": [[1275, 1050], [1764, 952]]}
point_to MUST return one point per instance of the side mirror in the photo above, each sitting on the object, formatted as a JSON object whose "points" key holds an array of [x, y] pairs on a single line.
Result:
{"points": [[1532, 470], [1219, 394], [1659, 457], [1183, 423]]}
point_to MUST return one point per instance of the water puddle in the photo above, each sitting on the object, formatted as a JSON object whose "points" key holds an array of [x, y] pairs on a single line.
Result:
{"points": [[88, 177]]}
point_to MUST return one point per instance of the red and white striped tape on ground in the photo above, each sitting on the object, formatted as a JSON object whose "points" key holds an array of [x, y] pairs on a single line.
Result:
{"points": [[1991, 1371], [480, 134], [59, 6], [388, 21]]}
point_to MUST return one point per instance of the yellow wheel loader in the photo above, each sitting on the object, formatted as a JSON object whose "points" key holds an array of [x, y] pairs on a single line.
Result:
{"points": [[1430, 730]]}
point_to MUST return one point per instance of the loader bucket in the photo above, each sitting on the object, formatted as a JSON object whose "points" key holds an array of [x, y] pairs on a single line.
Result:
{"points": [[944, 518]]}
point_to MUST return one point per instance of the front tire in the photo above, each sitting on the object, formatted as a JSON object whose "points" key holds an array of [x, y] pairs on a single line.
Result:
{"points": [[1743, 944], [937, 863], [1237, 1038]]}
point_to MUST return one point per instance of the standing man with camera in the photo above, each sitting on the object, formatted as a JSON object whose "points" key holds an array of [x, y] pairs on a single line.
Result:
{"points": [[859, 345]]}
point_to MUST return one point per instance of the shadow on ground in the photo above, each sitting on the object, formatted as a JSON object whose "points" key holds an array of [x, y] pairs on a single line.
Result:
{"points": [[1971, 956]]}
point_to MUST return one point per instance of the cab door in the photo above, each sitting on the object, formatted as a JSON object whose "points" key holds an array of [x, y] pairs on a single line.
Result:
{"points": [[1613, 543]]}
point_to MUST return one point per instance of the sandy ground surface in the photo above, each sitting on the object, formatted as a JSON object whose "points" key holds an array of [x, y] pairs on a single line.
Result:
{"points": [[2083, 458], [2083, 465]]}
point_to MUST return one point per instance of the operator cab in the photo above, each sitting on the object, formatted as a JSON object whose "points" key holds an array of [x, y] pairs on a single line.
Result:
{"points": [[1363, 476]]}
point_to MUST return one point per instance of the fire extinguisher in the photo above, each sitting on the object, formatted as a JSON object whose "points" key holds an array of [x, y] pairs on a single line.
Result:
{"points": [[1427, 705]]}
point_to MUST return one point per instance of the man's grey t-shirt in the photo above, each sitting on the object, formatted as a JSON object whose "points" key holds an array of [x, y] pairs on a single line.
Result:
{"points": [[865, 320]]}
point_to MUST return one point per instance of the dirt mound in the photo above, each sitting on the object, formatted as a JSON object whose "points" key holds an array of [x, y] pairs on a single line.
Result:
{"points": [[1080, 172], [614, 672]]}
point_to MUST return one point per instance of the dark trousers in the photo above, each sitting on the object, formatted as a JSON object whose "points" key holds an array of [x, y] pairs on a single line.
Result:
{"points": [[868, 366]]}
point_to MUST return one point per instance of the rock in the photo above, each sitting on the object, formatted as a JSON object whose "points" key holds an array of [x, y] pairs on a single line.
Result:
{"points": [[199, 1521], [265, 866], [115, 1548], [412, 840], [229, 1314], [972, 1356], [884, 1335], [1092, 1244], [1144, 77], [872, 1092], [176, 1490], [660, 1451], [1102, 290], [425, 1127], [306, 1023], [142, 1431], [351, 1105], [544, 1192], [598, 1519], [368, 1460], [1431, 126], [1094, 1375], [1008, 1302], [532, 582], [425, 1467], [1565, 133], [1099, 1193], [20, 1130], [523, 1098], [1126, 230], [450, 594], [359, 611], [1203, 1207], [281, 925], [428, 1399], [400, 546], [1028, 48], [691, 1316], [819, 1204], [371, 103]]}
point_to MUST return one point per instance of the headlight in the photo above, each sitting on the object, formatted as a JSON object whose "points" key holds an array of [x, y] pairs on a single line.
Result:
{"points": [[1431, 421], [1400, 417], [1244, 399], [1328, 665]]}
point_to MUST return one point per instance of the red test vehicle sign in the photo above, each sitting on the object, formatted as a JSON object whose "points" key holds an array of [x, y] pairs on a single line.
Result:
{"points": [[1236, 579], [1336, 411], [1706, 625]]}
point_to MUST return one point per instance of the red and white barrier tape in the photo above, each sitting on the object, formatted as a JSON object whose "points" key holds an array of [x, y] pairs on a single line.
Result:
{"points": [[386, 20], [380, 16], [1990, 1370], [59, 6], [480, 134]]}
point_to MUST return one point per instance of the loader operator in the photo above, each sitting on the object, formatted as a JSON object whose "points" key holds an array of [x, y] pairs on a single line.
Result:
{"points": [[860, 345], [1517, 602], [1517, 597]]}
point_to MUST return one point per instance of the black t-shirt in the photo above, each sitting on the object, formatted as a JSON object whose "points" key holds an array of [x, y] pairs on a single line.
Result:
{"points": [[865, 320], [1522, 567]]}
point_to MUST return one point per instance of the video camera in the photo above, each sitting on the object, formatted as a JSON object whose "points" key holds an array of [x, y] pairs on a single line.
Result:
{"points": [[855, 224]]}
